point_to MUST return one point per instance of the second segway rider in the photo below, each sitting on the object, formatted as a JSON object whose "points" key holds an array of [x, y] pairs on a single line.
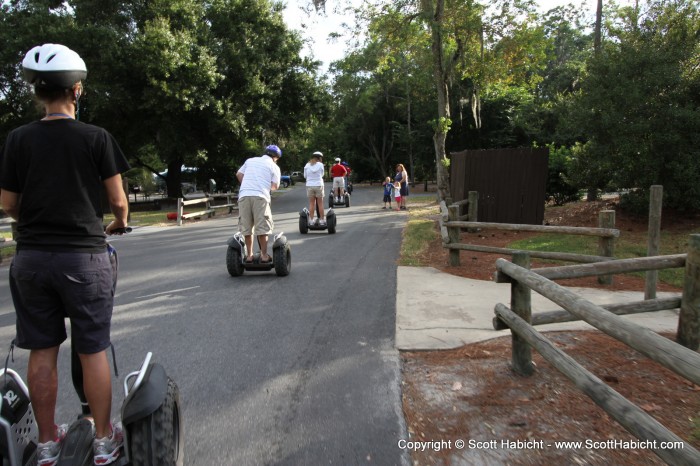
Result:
{"points": [[258, 176], [338, 172], [313, 172], [52, 174]]}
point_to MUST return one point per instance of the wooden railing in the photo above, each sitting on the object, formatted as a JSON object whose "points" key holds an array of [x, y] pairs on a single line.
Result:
{"points": [[680, 357], [451, 223], [209, 206]]}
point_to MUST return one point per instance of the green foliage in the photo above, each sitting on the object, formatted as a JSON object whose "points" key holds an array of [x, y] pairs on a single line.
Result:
{"points": [[638, 108], [178, 82], [559, 187]]}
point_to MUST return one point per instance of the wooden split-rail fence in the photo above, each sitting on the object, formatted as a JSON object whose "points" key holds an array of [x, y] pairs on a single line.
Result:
{"points": [[451, 224], [680, 356], [209, 206]]}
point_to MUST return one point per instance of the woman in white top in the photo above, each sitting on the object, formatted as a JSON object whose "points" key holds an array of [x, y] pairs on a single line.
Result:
{"points": [[313, 172]]}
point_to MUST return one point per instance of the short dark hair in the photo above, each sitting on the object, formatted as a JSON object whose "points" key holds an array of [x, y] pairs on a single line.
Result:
{"points": [[51, 93]]}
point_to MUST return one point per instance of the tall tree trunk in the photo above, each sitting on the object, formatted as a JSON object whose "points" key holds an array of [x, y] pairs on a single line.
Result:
{"points": [[174, 179], [412, 173], [440, 74], [592, 193]]}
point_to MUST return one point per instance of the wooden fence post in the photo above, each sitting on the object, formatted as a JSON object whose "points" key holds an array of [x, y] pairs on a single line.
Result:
{"points": [[179, 211], [520, 303], [688, 333], [606, 244], [453, 233], [654, 235], [473, 208]]}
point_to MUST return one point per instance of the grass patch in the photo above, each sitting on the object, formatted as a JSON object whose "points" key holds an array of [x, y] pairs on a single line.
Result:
{"points": [[419, 231], [145, 218], [626, 247]]}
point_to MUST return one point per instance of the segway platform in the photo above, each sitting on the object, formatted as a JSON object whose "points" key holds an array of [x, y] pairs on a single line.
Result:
{"points": [[236, 257], [305, 225], [344, 201], [151, 416]]}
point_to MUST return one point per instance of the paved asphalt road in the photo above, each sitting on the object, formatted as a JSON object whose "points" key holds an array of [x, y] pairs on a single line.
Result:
{"points": [[297, 370]]}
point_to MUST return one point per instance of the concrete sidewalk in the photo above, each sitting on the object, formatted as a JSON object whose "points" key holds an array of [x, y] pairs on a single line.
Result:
{"points": [[436, 310]]}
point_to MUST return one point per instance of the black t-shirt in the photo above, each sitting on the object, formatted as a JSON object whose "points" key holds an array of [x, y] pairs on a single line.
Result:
{"points": [[58, 168]]}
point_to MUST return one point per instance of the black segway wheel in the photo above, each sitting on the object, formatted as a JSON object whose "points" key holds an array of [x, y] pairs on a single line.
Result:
{"points": [[159, 437], [303, 224], [282, 257], [347, 200], [234, 262], [331, 224]]}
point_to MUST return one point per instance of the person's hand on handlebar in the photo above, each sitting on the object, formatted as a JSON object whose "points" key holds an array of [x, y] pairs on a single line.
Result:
{"points": [[116, 227]]}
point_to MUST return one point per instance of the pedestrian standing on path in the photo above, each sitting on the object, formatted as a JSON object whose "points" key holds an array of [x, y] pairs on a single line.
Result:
{"points": [[402, 178], [397, 194], [258, 176], [52, 174], [388, 192], [313, 172]]}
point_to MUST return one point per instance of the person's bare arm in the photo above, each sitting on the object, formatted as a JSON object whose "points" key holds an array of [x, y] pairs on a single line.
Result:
{"points": [[117, 202], [239, 175], [10, 203], [274, 186]]}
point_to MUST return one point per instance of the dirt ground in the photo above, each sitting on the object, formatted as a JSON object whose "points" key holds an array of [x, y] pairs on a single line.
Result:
{"points": [[471, 394]]}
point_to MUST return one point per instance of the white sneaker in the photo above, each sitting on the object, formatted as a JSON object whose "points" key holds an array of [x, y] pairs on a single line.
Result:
{"points": [[311, 221], [106, 450], [322, 223]]}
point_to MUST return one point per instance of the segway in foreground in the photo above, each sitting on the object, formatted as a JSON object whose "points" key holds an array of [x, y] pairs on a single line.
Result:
{"points": [[151, 418], [236, 257], [305, 225]]}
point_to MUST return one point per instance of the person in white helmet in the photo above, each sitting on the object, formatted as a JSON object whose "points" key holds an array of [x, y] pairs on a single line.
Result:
{"points": [[338, 172], [52, 173], [313, 172]]}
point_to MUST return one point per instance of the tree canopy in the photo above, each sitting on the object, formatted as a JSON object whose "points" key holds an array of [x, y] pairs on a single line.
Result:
{"points": [[206, 84], [178, 82]]}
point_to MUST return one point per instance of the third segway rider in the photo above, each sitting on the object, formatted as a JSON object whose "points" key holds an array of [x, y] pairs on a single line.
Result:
{"points": [[338, 172], [258, 176], [313, 172]]}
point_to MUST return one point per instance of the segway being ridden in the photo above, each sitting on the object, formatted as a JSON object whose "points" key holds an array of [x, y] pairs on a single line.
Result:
{"points": [[237, 253], [151, 417], [343, 201], [305, 225]]}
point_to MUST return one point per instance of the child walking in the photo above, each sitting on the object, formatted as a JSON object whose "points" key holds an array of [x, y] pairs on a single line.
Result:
{"points": [[397, 194], [388, 188]]}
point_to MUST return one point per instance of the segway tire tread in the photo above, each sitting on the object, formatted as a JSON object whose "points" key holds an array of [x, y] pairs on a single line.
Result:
{"points": [[234, 263], [283, 260], [158, 438]]}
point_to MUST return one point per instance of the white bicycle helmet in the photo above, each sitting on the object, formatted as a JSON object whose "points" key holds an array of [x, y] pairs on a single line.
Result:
{"points": [[317, 154], [53, 65], [337, 160]]}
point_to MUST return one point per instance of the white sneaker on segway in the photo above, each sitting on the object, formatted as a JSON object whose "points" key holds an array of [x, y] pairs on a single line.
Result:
{"points": [[322, 223], [48, 453], [106, 449]]}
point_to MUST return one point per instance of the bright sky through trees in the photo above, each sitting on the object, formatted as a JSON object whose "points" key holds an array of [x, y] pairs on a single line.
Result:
{"points": [[316, 27]]}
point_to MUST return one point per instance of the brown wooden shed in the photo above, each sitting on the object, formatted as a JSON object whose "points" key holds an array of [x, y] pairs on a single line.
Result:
{"points": [[511, 183]]}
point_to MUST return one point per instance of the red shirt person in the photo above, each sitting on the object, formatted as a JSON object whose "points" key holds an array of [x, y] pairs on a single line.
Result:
{"points": [[338, 172]]}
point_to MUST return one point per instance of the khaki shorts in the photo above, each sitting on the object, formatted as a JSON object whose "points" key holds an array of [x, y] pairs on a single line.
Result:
{"points": [[314, 191], [338, 182], [254, 214]]}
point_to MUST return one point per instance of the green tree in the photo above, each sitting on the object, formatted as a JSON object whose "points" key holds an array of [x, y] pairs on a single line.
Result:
{"points": [[639, 107]]}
